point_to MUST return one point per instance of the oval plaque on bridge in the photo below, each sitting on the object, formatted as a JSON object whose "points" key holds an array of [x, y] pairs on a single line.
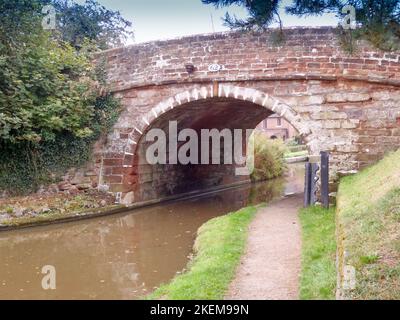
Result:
{"points": [[214, 67]]}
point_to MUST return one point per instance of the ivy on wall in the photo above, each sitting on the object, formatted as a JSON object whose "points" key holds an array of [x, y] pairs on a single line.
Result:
{"points": [[26, 166]]}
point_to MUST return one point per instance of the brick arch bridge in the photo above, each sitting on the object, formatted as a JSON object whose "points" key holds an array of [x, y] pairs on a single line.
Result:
{"points": [[346, 104]]}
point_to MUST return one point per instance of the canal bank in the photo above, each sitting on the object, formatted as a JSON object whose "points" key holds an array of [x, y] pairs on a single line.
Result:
{"points": [[219, 245], [275, 252], [248, 254], [251, 254], [76, 208]]}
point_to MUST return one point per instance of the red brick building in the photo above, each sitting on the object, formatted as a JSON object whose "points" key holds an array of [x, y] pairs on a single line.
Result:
{"points": [[276, 126]]}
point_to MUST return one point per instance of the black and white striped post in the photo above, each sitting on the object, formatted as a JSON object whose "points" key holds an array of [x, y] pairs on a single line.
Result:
{"points": [[312, 177], [310, 183]]}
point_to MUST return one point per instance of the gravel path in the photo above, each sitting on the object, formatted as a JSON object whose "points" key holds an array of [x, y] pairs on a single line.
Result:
{"points": [[270, 267]]}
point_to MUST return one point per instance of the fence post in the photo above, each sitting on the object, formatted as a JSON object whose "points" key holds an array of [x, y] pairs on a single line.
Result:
{"points": [[325, 179], [314, 182], [307, 185]]}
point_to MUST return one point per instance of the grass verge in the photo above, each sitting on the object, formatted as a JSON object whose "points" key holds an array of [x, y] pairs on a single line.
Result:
{"points": [[318, 274], [218, 248], [368, 218]]}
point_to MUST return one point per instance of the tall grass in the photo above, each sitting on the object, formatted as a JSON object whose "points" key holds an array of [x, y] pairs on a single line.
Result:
{"points": [[268, 157], [368, 218]]}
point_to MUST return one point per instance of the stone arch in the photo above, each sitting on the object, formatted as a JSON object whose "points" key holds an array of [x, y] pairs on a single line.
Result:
{"points": [[215, 90]]}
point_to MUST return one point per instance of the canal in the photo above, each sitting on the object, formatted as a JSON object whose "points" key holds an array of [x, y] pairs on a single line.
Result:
{"points": [[123, 256]]}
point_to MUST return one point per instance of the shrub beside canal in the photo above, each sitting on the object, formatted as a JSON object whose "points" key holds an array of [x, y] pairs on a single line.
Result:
{"points": [[218, 248], [268, 157]]}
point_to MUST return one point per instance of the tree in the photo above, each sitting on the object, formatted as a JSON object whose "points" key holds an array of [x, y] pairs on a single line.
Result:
{"points": [[378, 19], [77, 22], [52, 106], [46, 86], [19, 22], [262, 13], [368, 12]]}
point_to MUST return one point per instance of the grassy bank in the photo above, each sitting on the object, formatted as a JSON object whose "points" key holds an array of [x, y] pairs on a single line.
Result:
{"points": [[368, 218], [218, 248], [318, 275]]}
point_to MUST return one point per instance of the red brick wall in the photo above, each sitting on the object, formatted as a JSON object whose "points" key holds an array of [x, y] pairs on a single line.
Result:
{"points": [[306, 54], [278, 127]]}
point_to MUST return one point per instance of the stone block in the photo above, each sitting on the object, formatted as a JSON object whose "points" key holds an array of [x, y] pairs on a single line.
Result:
{"points": [[349, 124], [331, 124], [328, 115], [128, 199]]}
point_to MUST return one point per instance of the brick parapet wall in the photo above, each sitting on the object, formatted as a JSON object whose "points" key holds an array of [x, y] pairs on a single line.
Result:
{"points": [[306, 54]]}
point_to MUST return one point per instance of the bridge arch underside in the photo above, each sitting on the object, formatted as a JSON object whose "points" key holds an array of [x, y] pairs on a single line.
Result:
{"points": [[157, 181]]}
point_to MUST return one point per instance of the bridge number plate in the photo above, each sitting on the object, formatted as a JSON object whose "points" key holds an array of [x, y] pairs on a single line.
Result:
{"points": [[214, 67]]}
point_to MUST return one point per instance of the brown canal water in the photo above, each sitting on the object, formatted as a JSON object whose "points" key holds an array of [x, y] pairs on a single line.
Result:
{"points": [[123, 256]]}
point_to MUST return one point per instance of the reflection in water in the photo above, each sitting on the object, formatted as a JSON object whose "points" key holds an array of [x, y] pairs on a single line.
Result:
{"points": [[123, 256]]}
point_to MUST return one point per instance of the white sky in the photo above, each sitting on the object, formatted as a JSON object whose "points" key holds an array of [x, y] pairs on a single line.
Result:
{"points": [[165, 19]]}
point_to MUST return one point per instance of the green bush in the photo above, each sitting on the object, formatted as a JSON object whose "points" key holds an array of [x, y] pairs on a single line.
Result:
{"points": [[52, 101], [45, 88], [268, 157], [25, 166]]}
